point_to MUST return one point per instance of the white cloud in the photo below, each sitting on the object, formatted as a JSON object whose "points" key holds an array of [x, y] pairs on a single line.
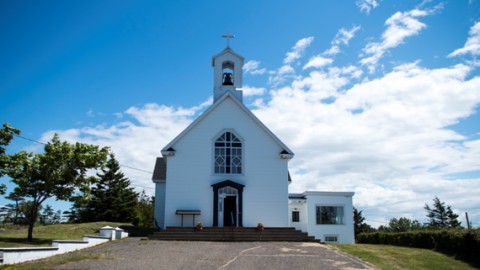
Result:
{"points": [[286, 71], [252, 67], [351, 71], [367, 5], [472, 46], [297, 51], [400, 26], [318, 62], [253, 91], [343, 37], [90, 113]]}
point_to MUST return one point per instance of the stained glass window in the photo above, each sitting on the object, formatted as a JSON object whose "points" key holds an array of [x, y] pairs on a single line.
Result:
{"points": [[228, 154]]}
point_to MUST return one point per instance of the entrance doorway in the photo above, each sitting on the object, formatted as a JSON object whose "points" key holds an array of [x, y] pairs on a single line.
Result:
{"points": [[230, 211], [227, 204]]}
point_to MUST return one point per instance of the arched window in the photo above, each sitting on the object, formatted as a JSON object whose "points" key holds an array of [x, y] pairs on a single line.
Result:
{"points": [[228, 154], [227, 191]]}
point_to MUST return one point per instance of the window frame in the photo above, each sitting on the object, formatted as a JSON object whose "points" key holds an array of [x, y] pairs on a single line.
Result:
{"points": [[296, 217], [330, 235], [232, 149], [319, 207]]}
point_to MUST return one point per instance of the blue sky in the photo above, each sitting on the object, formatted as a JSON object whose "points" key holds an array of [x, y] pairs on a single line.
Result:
{"points": [[376, 97]]}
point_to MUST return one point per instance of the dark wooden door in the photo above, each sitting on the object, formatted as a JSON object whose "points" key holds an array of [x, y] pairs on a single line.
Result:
{"points": [[230, 211]]}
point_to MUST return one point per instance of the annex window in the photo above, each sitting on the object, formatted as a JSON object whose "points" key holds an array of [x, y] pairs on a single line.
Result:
{"points": [[330, 215], [331, 238], [295, 216], [228, 154]]}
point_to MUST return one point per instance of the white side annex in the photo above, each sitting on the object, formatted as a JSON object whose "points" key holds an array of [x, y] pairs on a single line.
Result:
{"points": [[226, 168], [328, 216]]}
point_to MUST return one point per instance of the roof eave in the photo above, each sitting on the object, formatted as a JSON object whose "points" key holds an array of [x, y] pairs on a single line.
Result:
{"points": [[227, 50], [245, 109]]}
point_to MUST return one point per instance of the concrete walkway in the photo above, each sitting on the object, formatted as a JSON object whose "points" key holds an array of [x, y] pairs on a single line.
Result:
{"points": [[133, 253]]}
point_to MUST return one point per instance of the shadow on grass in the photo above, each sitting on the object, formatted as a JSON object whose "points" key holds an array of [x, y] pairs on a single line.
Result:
{"points": [[18, 242], [55, 261]]}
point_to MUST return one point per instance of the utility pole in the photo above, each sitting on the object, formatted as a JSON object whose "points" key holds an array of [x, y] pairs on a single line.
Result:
{"points": [[468, 222]]}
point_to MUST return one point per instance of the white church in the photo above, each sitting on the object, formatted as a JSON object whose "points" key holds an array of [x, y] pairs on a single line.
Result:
{"points": [[228, 169]]}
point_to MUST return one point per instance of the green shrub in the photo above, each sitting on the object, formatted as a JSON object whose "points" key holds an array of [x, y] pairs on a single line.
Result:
{"points": [[461, 243]]}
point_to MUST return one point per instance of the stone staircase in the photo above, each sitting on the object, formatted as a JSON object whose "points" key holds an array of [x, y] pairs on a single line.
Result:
{"points": [[232, 234]]}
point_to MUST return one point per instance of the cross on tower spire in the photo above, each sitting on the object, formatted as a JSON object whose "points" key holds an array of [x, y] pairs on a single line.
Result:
{"points": [[228, 36]]}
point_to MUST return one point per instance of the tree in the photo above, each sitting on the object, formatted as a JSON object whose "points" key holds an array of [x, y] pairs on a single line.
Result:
{"points": [[145, 209], [57, 217], [72, 215], [441, 216], [18, 199], [47, 216], [6, 135], [58, 172], [358, 223], [24, 210], [401, 225], [112, 199]]}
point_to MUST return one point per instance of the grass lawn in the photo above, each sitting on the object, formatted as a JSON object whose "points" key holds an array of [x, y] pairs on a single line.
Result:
{"points": [[393, 257], [16, 236]]}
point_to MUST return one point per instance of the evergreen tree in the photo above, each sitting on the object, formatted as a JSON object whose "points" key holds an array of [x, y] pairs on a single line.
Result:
{"points": [[47, 215], [145, 209], [72, 215], [57, 217], [112, 198], [79, 207], [358, 223], [441, 216], [18, 199], [358, 219]]}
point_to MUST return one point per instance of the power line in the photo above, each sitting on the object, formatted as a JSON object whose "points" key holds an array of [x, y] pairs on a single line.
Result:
{"points": [[121, 165], [133, 168], [32, 140], [135, 185]]}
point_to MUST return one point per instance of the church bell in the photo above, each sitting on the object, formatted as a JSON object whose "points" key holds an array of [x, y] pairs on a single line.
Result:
{"points": [[227, 78]]}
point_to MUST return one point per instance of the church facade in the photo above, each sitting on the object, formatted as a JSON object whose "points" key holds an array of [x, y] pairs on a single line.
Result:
{"points": [[226, 168]]}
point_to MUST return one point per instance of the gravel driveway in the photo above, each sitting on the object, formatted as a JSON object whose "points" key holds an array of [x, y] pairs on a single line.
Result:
{"points": [[134, 253]]}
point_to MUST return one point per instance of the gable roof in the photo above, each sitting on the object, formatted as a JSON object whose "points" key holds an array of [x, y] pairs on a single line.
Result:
{"points": [[212, 108], [226, 50], [160, 170]]}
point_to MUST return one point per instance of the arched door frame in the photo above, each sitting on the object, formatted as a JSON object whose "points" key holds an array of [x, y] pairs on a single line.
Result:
{"points": [[239, 188]]}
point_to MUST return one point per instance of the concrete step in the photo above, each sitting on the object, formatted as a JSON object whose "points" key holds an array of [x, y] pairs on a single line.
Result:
{"points": [[232, 234]]}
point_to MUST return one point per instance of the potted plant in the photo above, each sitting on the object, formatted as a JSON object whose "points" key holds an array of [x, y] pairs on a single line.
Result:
{"points": [[199, 226], [260, 226]]}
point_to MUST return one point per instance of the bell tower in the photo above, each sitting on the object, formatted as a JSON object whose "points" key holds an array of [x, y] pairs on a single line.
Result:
{"points": [[227, 72]]}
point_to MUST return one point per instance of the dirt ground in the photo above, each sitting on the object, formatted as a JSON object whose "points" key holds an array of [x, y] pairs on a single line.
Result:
{"points": [[135, 253]]}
